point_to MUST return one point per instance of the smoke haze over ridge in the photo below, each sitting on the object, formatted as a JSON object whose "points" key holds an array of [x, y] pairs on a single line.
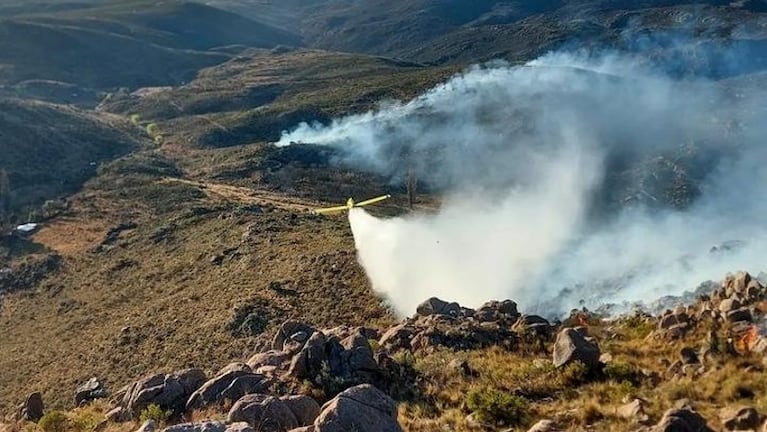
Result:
{"points": [[525, 154]]}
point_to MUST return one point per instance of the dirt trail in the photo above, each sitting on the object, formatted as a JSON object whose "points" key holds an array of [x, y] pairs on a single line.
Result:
{"points": [[248, 195]]}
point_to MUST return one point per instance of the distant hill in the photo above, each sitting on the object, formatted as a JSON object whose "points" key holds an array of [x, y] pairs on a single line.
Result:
{"points": [[256, 96], [122, 43], [50, 150], [442, 31]]}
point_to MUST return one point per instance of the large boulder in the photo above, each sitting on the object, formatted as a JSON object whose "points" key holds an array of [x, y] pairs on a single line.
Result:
{"points": [[739, 315], [497, 311], [268, 358], [681, 420], [736, 284], [571, 346], [397, 337], [350, 359], [33, 408], [304, 408], [533, 325], [206, 426], [309, 362], [231, 383], [363, 408], [168, 391], [91, 390], [544, 426], [740, 418], [633, 411], [435, 306], [265, 413], [291, 336]]}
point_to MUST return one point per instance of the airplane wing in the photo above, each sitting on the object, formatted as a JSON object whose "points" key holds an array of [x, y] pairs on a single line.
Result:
{"points": [[330, 210], [372, 201]]}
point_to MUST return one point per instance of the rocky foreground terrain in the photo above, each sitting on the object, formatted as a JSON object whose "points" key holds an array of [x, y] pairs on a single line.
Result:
{"points": [[698, 367]]}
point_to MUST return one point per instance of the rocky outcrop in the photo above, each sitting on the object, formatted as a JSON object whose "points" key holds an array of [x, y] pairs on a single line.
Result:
{"points": [[633, 411], [91, 390], [681, 420], [211, 426], [270, 414], [33, 408], [230, 383], [362, 409], [740, 418], [168, 391], [544, 426], [571, 346], [435, 306], [291, 336], [442, 324], [349, 359]]}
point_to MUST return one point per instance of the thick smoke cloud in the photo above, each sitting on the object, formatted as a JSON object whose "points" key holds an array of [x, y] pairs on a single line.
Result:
{"points": [[533, 160]]}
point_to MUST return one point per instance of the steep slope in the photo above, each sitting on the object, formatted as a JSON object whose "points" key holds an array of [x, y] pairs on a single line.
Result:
{"points": [[124, 43], [448, 31], [254, 97], [50, 150]]}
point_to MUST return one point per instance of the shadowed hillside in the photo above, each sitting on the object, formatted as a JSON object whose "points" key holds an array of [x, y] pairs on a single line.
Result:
{"points": [[49, 150], [123, 44]]}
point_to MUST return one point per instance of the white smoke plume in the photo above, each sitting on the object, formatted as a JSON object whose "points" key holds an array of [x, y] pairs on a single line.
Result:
{"points": [[527, 158]]}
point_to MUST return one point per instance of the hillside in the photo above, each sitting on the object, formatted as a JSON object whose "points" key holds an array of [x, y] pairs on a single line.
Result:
{"points": [[440, 31], [257, 95], [182, 267], [107, 45], [49, 151]]}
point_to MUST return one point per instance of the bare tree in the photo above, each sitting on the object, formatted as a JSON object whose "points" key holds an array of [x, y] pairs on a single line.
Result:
{"points": [[412, 182]]}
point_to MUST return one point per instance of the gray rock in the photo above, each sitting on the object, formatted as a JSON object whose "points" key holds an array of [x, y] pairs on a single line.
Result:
{"points": [[304, 408], [634, 411], [544, 426], [683, 419], [168, 391], [570, 346], [282, 340], [239, 427], [93, 389], [688, 356], [269, 358], [497, 311], [435, 306], [33, 408], [670, 320], [740, 418], [265, 413], [207, 426], [729, 304], [309, 361], [243, 385], [397, 337], [361, 409], [118, 415], [739, 315], [232, 382]]}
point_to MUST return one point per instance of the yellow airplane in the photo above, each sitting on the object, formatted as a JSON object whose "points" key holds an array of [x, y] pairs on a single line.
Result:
{"points": [[350, 204]]}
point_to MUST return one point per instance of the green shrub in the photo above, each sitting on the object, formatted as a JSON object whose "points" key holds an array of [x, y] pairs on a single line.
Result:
{"points": [[621, 372], [54, 421], [85, 420], [498, 407], [374, 345], [154, 412], [575, 373]]}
